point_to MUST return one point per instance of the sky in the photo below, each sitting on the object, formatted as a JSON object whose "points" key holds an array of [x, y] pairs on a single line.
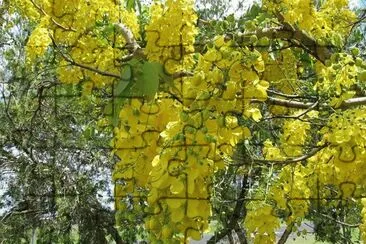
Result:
{"points": [[357, 3], [247, 3]]}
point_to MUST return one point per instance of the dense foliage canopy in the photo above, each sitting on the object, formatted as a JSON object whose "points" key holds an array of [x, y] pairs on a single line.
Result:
{"points": [[237, 123]]}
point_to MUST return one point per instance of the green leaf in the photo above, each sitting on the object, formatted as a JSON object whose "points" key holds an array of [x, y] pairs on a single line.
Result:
{"points": [[126, 72], [130, 5], [253, 11], [108, 110], [148, 82], [89, 132], [120, 87], [139, 7], [112, 109], [231, 19], [117, 108], [108, 29], [126, 77], [70, 90]]}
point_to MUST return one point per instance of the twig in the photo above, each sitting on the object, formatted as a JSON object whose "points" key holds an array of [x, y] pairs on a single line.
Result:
{"points": [[182, 74], [73, 62], [285, 161], [339, 222], [305, 105], [294, 116], [6, 216], [284, 103], [53, 20], [283, 94]]}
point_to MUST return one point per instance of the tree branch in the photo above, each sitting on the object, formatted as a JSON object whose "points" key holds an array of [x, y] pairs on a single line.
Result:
{"points": [[353, 102], [295, 36], [53, 20], [320, 52], [22, 212], [237, 215], [128, 36], [291, 96], [294, 116], [339, 222], [182, 74], [241, 234], [305, 105], [285, 161], [115, 235], [286, 234], [132, 45], [288, 103], [73, 62]]}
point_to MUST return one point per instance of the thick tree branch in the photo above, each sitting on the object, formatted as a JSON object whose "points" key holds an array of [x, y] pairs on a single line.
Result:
{"points": [[132, 45], [240, 232], [308, 43], [286, 234], [295, 36], [115, 235], [353, 102], [128, 36], [236, 216]]}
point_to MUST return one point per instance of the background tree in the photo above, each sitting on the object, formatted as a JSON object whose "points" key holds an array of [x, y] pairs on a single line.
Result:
{"points": [[55, 160]]}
